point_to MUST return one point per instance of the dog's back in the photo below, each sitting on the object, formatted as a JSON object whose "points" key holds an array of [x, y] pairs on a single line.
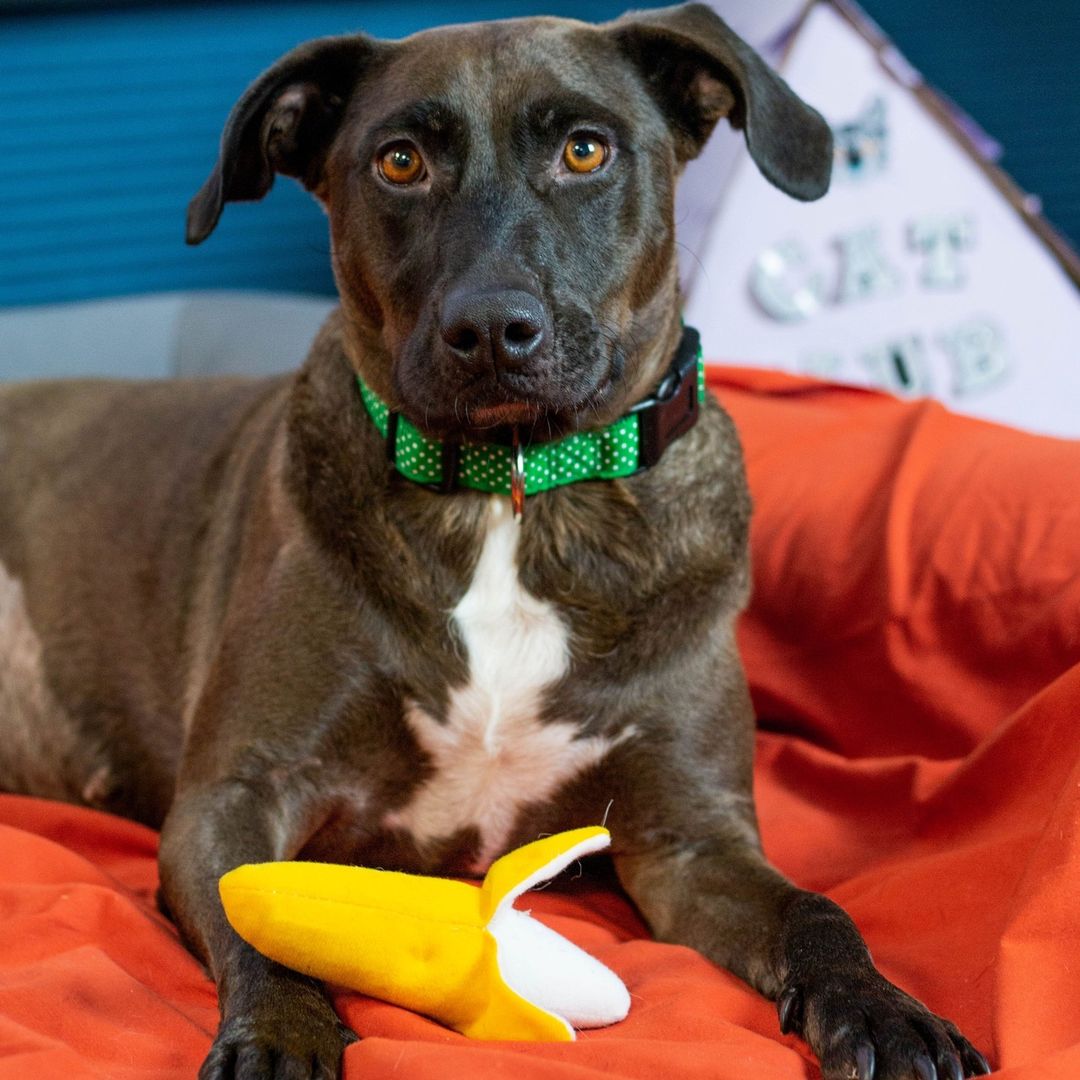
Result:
{"points": [[104, 486]]}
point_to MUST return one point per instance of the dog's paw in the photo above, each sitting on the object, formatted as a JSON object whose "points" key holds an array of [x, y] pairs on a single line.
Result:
{"points": [[249, 1049], [868, 1029]]}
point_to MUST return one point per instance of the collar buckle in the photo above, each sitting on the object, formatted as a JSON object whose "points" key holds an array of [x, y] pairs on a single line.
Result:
{"points": [[673, 409]]}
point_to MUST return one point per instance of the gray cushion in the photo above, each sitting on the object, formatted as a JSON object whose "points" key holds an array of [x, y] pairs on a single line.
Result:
{"points": [[201, 333]]}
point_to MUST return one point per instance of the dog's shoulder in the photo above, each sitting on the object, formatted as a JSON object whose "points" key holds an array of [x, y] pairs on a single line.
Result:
{"points": [[688, 516]]}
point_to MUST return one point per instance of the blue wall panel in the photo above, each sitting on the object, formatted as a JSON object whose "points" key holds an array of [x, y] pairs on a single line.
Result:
{"points": [[111, 123]]}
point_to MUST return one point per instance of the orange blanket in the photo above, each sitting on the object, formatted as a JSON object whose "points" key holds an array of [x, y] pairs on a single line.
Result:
{"points": [[914, 652]]}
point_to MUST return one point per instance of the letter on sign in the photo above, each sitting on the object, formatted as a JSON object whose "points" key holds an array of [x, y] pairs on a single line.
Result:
{"points": [[782, 285], [900, 366], [864, 270], [940, 240], [977, 356]]}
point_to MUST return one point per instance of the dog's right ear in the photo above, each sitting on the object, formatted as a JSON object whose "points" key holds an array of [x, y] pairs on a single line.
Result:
{"points": [[284, 123]]}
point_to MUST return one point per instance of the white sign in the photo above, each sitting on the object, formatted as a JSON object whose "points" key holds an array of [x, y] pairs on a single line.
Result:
{"points": [[914, 273]]}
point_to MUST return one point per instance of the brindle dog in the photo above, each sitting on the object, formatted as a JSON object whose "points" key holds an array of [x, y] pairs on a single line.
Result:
{"points": [[223, 613]]}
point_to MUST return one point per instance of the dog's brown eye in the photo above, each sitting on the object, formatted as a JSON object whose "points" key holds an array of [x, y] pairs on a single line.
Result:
{"points": [[401, 164], [584, 153]]}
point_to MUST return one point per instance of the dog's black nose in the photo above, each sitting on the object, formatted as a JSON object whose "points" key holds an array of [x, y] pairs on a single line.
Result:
{"points": [[501, 328]]}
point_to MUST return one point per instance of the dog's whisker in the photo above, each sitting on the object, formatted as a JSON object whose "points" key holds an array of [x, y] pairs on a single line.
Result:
{"points": [[694, 255]]}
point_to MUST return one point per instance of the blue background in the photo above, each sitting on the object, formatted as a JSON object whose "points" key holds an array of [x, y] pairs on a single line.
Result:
{"points": [[111, 117]]}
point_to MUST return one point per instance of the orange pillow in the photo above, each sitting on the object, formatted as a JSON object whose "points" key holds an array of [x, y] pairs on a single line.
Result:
{"points": [[916, 572]]}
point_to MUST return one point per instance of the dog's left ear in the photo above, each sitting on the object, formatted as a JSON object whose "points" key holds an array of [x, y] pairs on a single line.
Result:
{"points": [[283, 123], [698, 70]]}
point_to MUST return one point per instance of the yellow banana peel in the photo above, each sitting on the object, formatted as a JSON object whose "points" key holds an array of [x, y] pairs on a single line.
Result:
{"points": [[459, 953]]}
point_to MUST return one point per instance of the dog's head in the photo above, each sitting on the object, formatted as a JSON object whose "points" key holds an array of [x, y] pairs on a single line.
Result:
{"points": [[501, 199]]}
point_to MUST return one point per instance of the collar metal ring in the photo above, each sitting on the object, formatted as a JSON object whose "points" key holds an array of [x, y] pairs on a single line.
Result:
{"points": [[517, 477]]}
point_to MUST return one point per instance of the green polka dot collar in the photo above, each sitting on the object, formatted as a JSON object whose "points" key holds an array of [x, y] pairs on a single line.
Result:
{"points": [[631, 444]]}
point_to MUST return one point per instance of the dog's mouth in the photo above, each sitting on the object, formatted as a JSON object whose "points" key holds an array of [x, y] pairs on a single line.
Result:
{"points": [[488, 409], [536, 419], [513, 413]]}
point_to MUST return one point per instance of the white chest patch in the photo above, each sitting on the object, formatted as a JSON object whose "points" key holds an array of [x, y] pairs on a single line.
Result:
{"points": [[493, 754]]}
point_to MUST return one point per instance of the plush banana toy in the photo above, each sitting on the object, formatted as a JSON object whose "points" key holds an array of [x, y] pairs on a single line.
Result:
{"points": [[461, 954]]}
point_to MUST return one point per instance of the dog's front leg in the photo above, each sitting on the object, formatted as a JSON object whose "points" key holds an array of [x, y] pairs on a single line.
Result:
{"points": [[718, 894], [274, 1022]]}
